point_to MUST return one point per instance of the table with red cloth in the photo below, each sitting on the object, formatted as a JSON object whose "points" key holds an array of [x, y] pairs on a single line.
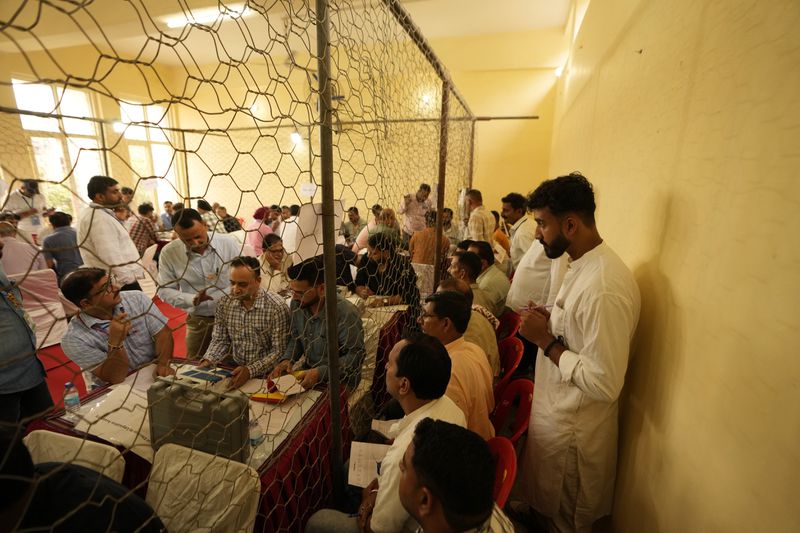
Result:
{"points": [[296, 479]]}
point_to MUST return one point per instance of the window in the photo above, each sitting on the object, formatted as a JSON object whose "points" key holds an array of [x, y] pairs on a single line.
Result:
{"points": [[62, 148]]}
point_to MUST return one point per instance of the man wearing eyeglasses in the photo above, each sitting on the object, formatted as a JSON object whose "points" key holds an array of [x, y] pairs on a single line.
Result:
{"points": [[115, 332], [275, 263]]}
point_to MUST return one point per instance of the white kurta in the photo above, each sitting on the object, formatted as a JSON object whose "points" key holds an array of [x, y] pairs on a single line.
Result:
{"points": [[105, 243], [531, 281], [522, 236], [18, 202], [575, 405]]}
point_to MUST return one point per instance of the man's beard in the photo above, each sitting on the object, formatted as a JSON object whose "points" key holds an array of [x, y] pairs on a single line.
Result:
{"points": [[306, 305], [556, 249]]}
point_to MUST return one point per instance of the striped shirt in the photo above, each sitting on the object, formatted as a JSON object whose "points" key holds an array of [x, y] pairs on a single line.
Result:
{"points": [[253, 337], [86, 339], [143, 233]]}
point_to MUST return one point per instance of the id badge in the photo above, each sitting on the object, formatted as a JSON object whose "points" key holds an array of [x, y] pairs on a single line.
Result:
{"points": [[36, 220]]}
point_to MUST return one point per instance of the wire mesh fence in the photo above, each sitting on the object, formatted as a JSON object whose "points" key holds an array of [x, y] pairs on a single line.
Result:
{"points": [[219, 107]]}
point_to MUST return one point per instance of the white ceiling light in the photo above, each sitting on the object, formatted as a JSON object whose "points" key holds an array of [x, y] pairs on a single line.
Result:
{"points": [[204, 16], [296, 138]]}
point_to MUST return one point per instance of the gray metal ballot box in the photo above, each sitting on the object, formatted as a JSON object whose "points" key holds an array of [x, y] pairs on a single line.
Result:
{"points": [[189, 414]]}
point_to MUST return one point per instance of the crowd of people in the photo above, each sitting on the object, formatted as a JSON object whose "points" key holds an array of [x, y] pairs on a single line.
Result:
{"points": [[263, 314]]}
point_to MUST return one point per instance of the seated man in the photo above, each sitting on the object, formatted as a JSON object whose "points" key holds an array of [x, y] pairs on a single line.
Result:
{"points": [[467, 266], [115, 332], [417, 374], [307, 331], [480, 330], [452, 495], [250, 325], [492, 280], [19, 257], [275, 263], [60, 248], [446, 315], [387, 275]]}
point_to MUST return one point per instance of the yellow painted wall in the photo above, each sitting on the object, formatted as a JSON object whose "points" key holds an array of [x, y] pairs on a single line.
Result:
{"points": [[684, 114]]}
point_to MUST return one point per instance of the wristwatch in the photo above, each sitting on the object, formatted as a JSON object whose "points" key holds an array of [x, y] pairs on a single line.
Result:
{"points": [[556, 340]]}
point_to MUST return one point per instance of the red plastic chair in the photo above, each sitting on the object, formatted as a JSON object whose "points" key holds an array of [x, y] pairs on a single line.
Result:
{"points": [[521, 389], [509, 325], [506, 469], [511, 351]]}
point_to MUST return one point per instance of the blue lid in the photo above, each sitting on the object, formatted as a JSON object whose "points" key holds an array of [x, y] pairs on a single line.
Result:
{"points": [[68, 385]]}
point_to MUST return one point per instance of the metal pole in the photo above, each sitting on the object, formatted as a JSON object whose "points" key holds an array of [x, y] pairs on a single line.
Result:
{"points": [[104, 146], [437, 254], [185, 165], [328, 240], [471, 161]]}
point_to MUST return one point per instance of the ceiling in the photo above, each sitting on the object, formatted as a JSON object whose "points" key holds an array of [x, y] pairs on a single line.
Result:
{"points": [[124, 25]]}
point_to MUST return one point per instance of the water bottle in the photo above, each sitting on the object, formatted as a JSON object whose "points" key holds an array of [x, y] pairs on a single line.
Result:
{"points": [[72, 402], [256, 435]]}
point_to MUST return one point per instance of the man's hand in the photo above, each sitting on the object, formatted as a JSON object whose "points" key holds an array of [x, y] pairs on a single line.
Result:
{"points": [[118, 329], [534, 326], [310, 378], [163, 371], [364, 292], [239, 377], [201, 297], [282, 368], [369, 495], [205, 363]]}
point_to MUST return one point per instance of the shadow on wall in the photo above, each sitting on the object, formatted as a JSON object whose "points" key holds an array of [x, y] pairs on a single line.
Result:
{"points": [[654, 367]]}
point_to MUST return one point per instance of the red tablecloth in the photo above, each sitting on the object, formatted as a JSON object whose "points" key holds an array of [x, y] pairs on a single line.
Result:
{"points": [[295, 482]]}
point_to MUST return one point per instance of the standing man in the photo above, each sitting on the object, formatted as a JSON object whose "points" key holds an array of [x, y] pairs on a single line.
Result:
{"points": [[60, 248], [352, 226], [290, 230], [522, 230], [193, 275], [481, 223], [29, 204], [422, 246], [166, 216], [104, 241], [115, 332], [446, 316], [307, 332], [250, 327], [414, 208], [23, 390], [571, 452]]}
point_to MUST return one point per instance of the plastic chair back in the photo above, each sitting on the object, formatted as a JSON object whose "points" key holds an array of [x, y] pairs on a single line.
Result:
{"points": [[196, 491], [509, 325], [505, 469], [520, 391], [511, 352], [49, 446]]}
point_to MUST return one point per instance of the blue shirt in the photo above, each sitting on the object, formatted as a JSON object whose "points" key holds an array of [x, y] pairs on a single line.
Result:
{"points": [[307, 338], [20, 369], [86, 339], [183, 273], [61, 246], [166, 221]]}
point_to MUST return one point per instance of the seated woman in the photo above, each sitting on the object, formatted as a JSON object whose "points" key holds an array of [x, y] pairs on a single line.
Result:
{"points": [[387, 275], [275, 263]]}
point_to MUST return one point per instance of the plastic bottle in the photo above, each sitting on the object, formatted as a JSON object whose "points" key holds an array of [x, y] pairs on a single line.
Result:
{"points": [[256, 435], [72, 402]]}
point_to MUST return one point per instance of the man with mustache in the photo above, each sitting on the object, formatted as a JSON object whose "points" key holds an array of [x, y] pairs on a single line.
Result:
{"points": [[570, 456], [193, 275], [250, 325]]}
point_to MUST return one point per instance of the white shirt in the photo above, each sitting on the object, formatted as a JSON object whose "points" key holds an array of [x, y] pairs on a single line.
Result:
{"points": [[522, 235], [414, 213], [576, 404], [388, 514], [18, 202], [290, 234], [531, 280], [20, 257], [105, 244], [183, 273]]}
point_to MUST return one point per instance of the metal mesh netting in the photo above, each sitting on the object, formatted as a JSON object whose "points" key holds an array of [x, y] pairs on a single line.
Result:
{"points": [[192, 101]]}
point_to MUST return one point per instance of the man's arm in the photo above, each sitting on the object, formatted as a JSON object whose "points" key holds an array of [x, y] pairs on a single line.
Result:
{"points": [[169, 289], [164, 348]]}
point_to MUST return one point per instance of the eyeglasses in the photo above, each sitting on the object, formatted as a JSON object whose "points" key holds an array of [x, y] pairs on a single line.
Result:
{"points": [[107, 287], [423, 316], [279, 251]]}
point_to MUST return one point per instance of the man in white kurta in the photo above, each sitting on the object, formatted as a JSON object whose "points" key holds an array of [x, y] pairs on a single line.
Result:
{"points": [[569, 462]]}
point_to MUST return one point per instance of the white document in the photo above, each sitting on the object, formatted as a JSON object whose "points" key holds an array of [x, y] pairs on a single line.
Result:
{"points": [[365, 461], [288, 385], [384, 427]]}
